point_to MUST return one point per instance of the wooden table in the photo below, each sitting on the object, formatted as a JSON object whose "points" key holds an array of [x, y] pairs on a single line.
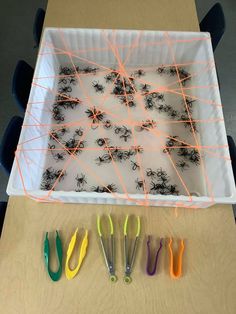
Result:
{"points": [[208, 284]]}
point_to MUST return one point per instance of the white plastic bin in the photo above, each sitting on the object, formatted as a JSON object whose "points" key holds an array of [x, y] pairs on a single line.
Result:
{"points": [[126, 51]]}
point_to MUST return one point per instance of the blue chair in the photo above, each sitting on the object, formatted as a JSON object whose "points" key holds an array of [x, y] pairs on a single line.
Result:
{"points": [[21, 83], [38, 26], [3, 207], [9, 143], [214, 23]]}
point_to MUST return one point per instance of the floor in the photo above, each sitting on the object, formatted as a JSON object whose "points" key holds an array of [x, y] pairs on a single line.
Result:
{"points": [[17, 43]]}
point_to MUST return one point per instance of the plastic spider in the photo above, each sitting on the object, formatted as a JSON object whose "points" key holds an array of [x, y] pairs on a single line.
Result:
{"points": [[49, 174], [126, 133], [128, 101], [65, 89], [160, 97], [160, 70], [111, 77], [172, 71], [136, 149], [95, 114], [74, 146], [102, 141], [107, 124], [170, 143], [89, 69], [57, 114], [146, 125], [188, 123], [66, 71], [184, 76], [104, 159], [117, 129], [135, 165], [194, 157], [110, 188], [58, 156], [139, 184], [79, 132], [80, 180], [145, 88], [99, 88], [150, 173], [138, 73], [183, 165]]}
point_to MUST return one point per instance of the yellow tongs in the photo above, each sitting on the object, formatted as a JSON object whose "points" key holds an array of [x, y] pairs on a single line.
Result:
{"points": [[70, 273]]}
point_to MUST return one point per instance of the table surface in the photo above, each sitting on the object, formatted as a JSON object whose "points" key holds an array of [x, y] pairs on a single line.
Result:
{"points": [[208, 284]]}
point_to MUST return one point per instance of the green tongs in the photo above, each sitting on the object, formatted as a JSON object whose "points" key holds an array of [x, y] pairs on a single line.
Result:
{"points": [[55, 276]]}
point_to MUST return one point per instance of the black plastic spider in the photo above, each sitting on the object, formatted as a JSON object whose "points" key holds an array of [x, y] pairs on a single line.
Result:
{"points": [[58, 134], [172, 189], [102, 141], [72, 80], [139, 184], [135, 165], [189, 102], [57, 114], [74, 146], [58, 156], [149, 102], [65, 89], [117, 129], [160, 97], [66, 71], [160, 70], [162, 174], [89, 69], [145, 88], [184, 76], [156, 187], [107, 124], [49, 174], [170, 143], [95, 114], [128, 101], [126, 134], [188, 123], [136, 149], [150, 173], [118, 90], [183, 165], [111, 77], [138, 73], [80, 180], [79, 132], [46, 186], [146, 125], [110, 188], [104, 159], [62, 81], [99, 88], [183, 151], [97, 189], [51, 146], [194, 157], [172, 71], [49, 177], [173, 113]]}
